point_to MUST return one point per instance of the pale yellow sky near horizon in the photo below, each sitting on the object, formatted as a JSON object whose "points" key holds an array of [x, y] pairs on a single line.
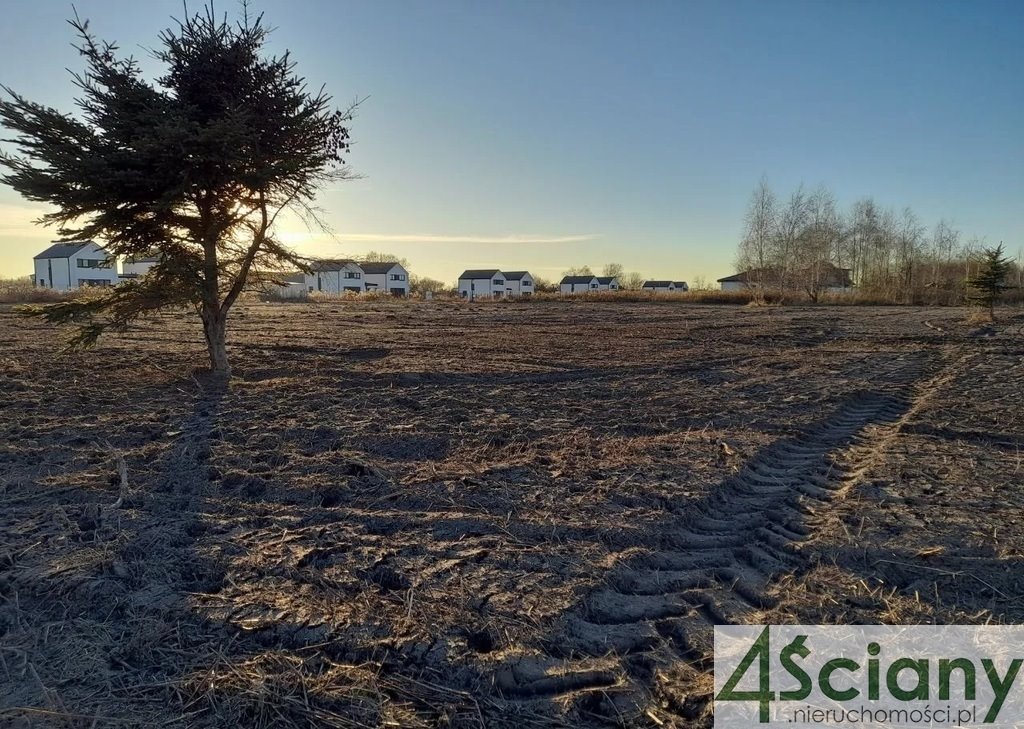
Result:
{"points": [[435, 255]]}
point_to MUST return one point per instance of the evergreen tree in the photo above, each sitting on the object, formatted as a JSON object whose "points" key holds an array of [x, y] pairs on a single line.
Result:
{"points": [[195, 166], [990, 282]]}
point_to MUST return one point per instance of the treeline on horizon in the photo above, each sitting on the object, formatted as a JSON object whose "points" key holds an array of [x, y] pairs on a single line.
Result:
{"points": [[799, 243]]}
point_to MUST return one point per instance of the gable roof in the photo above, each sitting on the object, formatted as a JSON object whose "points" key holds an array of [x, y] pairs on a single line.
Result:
{"points": [[516, 275], [475, 273], [680, 284], [657, 284], [378, 266], [829, 275], [578, 279], [63, 249], [331, 264], [606, 279]]}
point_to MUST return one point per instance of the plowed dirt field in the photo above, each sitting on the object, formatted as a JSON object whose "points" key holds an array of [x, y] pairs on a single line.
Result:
{"points": [[505, 515]]}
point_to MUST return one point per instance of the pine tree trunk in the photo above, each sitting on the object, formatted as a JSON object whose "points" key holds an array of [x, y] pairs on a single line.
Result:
{"points": [[215, 329]]}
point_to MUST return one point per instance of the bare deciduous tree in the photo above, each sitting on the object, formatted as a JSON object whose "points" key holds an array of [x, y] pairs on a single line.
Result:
{"points": [[807, 246], [755, 254]]}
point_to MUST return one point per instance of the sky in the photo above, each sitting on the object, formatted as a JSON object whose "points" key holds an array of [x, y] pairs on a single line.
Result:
{"points": [[546, 134]]}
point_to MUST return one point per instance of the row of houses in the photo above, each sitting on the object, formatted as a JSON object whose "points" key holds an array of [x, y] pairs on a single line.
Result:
{"points": [[344, 276], [493, 283], [71, 265]]}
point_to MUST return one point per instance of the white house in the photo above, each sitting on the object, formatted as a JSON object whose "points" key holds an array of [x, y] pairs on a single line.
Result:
{"points": [[288, 286], [135, 266], [518, 283], [482, 283], [69, 265], [681, 286], [335, 277], [388, 277], [659, 287], [607, 283], [578, 284]]}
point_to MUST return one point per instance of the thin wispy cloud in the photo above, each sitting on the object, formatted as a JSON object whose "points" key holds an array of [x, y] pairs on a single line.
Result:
{"points": [[435, 238]]}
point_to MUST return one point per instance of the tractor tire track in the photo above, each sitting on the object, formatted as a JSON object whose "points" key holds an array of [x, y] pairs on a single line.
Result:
{"points": [[658, 610]]}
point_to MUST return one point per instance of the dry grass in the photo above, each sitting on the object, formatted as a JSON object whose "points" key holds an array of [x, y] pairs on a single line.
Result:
{"points": [[979, 316], [21, 291], [738, 298]]}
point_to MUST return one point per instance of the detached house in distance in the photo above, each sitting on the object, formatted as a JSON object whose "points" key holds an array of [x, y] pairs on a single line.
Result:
{"points": [[659, 287], [518, 283], [385, 277], [578, 284], [822, 278], [481, 283], [70, 265], [136, 266], [607, 283], [334, 277], [492, 283]]}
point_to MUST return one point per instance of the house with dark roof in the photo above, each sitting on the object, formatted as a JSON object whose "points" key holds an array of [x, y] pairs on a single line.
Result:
{"points": [[578, 284], [518, 283], [334, 276], [482, 283], [820, 278], [385, 277], [659, 287], [681, 286], [607, 283], [67, 265]]}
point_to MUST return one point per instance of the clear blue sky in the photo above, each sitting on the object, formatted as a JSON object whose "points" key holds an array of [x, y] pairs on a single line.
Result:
{"points": [[542, 135]]}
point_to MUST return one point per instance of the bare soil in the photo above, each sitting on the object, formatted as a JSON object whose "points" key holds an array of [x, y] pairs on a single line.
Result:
{"points": [[509, 515]]}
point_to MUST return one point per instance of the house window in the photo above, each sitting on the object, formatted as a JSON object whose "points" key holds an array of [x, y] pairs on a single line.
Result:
{"points": [[353, 274], [91, 282], [613, 287], [398, 277], [593, 286], [42, 282], [527, 284], [93, 263], [499, 282]]}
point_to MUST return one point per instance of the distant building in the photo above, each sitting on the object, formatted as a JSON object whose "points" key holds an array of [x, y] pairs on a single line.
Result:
{"points": [[334, 277], [385, 277], [518, 283], [578, 284], [68, 265], [825, 278], [607, 283], [135, 266], [288, 286], [482, 283], [659, 287], [681, 286]]}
